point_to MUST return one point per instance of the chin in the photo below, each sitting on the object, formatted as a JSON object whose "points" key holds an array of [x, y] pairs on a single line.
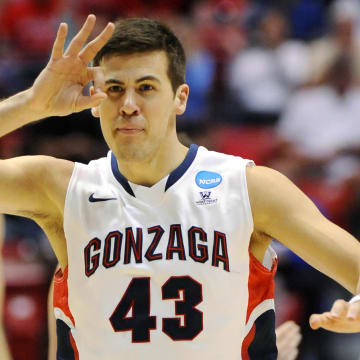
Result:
{"points": [[133, 152]]}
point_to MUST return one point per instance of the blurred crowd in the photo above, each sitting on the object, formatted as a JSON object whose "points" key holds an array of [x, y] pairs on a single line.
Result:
{"points": [[274, 81]]}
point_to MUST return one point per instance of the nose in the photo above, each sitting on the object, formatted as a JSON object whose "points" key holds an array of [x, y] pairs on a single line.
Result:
{"points": [[129, 107]]}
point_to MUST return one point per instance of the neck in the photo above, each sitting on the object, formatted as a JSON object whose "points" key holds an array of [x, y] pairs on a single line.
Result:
{"points": [[159, 164]]}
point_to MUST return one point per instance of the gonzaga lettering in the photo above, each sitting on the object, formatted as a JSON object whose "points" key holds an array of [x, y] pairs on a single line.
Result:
{"points": [[110, 249], [150, 278]]}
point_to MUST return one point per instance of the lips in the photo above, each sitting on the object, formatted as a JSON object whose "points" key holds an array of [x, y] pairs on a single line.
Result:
{"points": [[129, 125], [130, 129]]}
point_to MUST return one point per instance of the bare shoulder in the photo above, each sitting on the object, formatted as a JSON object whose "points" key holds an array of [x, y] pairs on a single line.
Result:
{"points": [[37, 164], [258, 176], [44, 169], [53, 174], [272, 193], [268, 184], [51, 166], [34, 185], [261, 181], [264, 186]]}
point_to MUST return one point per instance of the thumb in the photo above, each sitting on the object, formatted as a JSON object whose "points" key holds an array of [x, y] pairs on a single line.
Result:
{"points": [[315, 321], [96, 74], [90, 101]]}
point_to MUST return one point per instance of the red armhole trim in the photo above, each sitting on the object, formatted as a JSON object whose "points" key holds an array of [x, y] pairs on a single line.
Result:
{"points": [[261, 283], [60, 299], [73, 344], [246, 343]]}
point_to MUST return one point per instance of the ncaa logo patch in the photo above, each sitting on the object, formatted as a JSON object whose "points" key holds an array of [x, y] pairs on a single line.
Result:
{"points": [[208, 179]]}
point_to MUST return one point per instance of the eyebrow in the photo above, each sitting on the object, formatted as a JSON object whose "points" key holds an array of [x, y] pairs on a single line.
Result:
{"points": [[148, 77]]}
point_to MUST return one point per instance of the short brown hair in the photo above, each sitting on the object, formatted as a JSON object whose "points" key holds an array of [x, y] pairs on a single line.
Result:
{"points": [[138, 35]]}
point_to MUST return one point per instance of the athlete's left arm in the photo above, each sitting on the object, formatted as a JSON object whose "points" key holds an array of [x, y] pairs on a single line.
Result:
{"points": [[284, 212]]}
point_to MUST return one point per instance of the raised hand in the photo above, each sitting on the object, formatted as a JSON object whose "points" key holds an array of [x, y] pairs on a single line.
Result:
{"points": [[58, 90], [343, 317]]}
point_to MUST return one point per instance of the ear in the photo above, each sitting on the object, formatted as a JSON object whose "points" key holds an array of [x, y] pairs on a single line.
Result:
{"points": [[94, 110], [181, 96]]}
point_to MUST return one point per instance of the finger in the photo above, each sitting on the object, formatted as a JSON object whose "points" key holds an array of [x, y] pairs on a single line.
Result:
{"points": [[79, 40], [327, 322], [353, 312], [316, 321], [58, 47], [97, 75], [92, 48], [88, 102], [339, 308]]}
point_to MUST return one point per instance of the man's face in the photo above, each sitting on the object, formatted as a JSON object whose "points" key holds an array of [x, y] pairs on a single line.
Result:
{"points": [[139, 113]]}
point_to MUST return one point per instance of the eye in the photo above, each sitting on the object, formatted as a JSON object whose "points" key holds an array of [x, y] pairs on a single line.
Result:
{"points": [[146, 87], [115, 89]]}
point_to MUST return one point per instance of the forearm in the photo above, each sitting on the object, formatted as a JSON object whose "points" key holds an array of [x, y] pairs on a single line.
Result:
{"points": [[16, 112], [328, 248]]}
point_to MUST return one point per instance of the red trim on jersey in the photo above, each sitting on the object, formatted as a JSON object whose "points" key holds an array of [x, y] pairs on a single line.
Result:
{"points": [[73, 344], [246, 343], [261, 283], [261, 286], [60, 298]]}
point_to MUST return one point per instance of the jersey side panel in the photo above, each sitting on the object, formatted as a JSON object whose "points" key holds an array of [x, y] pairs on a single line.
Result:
{"points": [[65, 323]]}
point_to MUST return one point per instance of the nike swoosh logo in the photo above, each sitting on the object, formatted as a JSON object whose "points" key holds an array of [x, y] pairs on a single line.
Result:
{"points": [[94, 199]]}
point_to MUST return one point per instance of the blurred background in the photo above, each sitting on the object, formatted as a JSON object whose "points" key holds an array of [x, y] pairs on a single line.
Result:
{"points": [[273, 81]]}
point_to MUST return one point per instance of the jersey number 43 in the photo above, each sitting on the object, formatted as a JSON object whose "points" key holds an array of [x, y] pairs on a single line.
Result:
{"points": [[137, 299]]}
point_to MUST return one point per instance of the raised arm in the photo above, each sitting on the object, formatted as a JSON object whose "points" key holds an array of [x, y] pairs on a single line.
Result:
{"points": [[283, 212], [35, 187], [27, 184]]}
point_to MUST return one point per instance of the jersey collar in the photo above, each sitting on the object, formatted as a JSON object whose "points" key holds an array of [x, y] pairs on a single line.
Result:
{"points": [[173, 177]]}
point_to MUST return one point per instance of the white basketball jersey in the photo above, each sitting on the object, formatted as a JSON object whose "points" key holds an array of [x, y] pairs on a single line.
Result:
{"points": [[164, 271]]}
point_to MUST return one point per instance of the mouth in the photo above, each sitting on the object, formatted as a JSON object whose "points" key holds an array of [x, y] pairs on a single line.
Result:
{"points": [[129, 131]]}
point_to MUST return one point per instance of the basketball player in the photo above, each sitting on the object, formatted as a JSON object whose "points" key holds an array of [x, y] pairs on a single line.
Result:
{"points": [[164, 250], [4, 350]]}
